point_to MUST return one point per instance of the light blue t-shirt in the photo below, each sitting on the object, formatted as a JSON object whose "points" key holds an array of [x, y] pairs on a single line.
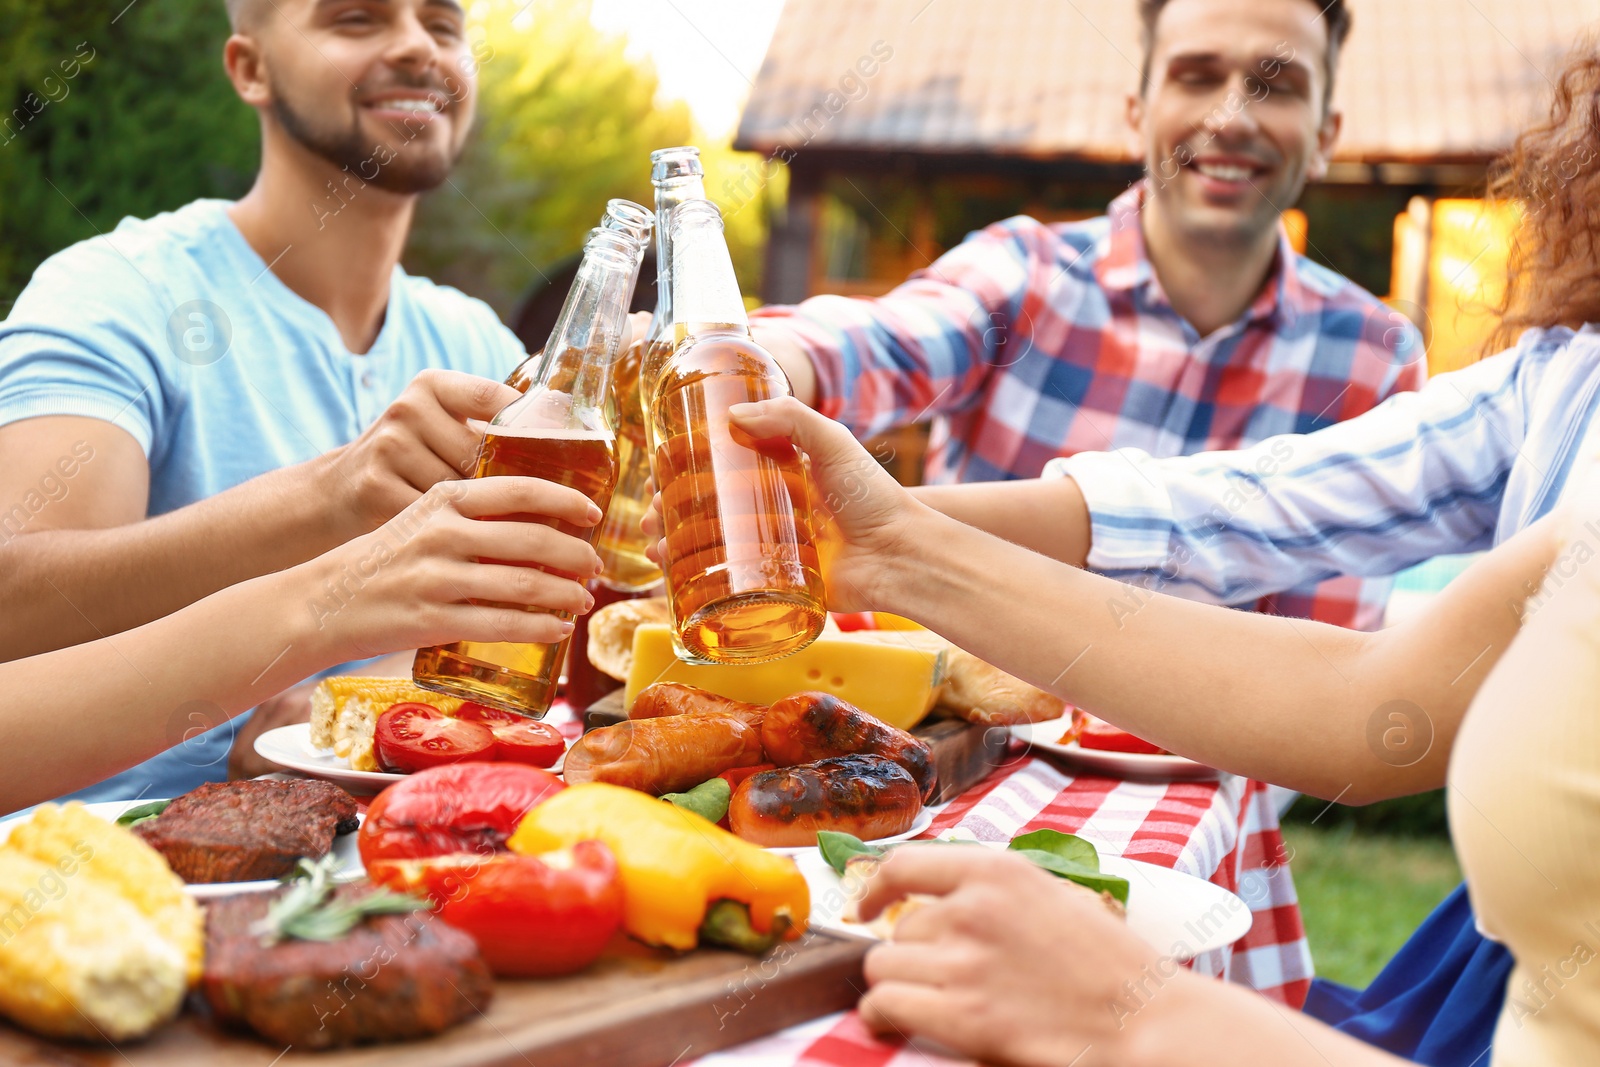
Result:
{"points": [[174, 329]]}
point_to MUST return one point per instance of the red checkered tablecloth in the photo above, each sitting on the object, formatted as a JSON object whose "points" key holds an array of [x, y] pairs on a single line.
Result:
{"points": [[1224, 831]]}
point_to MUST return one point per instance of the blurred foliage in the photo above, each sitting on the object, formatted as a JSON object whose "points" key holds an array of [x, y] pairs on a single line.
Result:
{"points": [[565, 121], [1422, 815], [135, 116], [110, 115]]}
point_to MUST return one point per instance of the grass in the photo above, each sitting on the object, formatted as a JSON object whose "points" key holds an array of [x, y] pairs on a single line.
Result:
{"points": [[1363, 894]]}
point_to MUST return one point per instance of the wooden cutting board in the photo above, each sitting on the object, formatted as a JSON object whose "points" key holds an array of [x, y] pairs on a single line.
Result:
{"points": [[964, 752], [634, 1008]]}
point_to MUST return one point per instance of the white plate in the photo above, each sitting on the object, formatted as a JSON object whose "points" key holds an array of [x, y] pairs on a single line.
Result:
{"points": [[923, 820], [291, 747], [1179, 914], [1044, 736], [344, 847]]}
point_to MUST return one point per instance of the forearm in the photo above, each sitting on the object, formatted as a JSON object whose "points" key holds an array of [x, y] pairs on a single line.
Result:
{"points": [[1047, 516], [792, 357], [1196, 1022], [78, 715], [67, 586], [1283, 700]]}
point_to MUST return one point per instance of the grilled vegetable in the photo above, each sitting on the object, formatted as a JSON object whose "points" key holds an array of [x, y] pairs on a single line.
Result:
{"points": [[674, 864], [69, 834], [98, 940], [532, 916]]}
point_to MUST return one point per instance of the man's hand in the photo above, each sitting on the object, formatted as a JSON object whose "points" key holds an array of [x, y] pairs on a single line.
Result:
{"points": [[1009, 965], [419, 440]]}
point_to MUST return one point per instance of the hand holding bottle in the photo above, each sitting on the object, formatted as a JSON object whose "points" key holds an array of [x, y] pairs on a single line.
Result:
{"points": [[865, 516]]}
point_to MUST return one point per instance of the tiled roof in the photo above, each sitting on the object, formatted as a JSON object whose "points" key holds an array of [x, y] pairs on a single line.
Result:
{"points": [[1420, 80]]}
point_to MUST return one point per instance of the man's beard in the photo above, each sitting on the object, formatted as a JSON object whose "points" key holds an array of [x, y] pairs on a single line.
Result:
{"points": [[380, 163]]}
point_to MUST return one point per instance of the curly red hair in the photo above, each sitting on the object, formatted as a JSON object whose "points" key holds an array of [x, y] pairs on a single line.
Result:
{"points": [[1553, 276]]}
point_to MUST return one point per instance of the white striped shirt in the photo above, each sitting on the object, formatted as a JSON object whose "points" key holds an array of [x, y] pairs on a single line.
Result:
{"points": [[1461, 465]]}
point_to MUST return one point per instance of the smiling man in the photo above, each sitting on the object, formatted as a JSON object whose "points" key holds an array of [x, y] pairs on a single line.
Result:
{"points": [[1181, 321], [238, 387]]}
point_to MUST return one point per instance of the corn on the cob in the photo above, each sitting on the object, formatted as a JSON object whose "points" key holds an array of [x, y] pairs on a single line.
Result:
{"points": [[69, 837], [345, 709], [78, 960]]}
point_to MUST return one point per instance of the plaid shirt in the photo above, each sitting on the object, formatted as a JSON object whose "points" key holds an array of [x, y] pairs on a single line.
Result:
{"points": [[1030, 342]]}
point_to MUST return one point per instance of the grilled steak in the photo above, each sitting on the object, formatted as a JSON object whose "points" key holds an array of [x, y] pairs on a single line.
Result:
{"points": [[241, 831], [392, 978]]}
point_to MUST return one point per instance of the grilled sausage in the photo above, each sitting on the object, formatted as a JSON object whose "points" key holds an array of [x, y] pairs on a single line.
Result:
{"points": [[666, 755], [675, 698], [868, 796], [811, 726]]}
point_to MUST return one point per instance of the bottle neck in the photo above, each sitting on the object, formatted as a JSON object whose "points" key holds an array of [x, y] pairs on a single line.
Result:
{"points": [[669, 194], [582, 349], [705, 290]]}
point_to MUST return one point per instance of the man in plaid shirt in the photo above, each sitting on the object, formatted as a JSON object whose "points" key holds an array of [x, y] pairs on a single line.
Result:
{"points": [[1182, 321]]}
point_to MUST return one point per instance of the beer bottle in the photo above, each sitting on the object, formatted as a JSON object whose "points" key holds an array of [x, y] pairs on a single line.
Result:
{"points": [[677, 176], [741, 567], [624, 216], [561, 429]]}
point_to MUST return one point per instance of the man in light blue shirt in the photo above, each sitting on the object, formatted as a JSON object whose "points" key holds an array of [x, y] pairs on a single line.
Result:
{"points": [[232, 388]]}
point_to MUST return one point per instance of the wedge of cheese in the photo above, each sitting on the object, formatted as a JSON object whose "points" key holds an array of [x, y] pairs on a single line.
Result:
{"points": [[896, 681]]}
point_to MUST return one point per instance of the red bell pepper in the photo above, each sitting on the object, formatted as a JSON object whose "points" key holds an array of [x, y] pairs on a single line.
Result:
{"points": [[532, 916], [1098, 734]]}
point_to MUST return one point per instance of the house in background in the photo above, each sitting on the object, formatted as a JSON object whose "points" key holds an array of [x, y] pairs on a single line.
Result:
{"points": [[905, 124]]}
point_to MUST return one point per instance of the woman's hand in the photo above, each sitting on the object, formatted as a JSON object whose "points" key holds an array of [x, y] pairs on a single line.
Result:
{"points": [[1010, 964], [860, 514], [438, 572]]}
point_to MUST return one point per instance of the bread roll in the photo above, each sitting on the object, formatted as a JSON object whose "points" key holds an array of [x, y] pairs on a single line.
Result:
{"points": [[611, 632]]}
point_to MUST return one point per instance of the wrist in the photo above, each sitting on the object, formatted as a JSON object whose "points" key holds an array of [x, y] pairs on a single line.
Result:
{"points": [[331, 508], [911, 560]]}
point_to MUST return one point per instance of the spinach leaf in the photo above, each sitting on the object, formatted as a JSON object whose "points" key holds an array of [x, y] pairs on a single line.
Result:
{"points": [[139, 813], [838, 849], [1069, 847]]}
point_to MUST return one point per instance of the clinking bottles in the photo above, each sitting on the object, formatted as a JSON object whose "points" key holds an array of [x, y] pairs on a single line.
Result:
{"points": [[741, 568], [561, 429], [677, 176], [623, 216]]}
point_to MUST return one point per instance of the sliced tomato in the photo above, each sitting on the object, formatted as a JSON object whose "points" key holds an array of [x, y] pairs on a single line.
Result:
{"points": [[462, 807], [528, 741], [411, 737], [854, 620], [483, 713], [1099, 734], [532, 916], [739, 774]]}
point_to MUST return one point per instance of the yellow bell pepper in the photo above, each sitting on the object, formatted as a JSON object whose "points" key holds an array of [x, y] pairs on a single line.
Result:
{"points": [[673, 863]]}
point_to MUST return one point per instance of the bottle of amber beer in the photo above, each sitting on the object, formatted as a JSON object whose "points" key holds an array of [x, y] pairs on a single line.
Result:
{"points": [[562, 429], [677, 176], [741, 568], [624, 216]]}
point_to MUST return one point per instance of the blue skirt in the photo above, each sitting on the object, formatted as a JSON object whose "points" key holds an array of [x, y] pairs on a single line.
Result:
{"points": [[1436, 1002]]}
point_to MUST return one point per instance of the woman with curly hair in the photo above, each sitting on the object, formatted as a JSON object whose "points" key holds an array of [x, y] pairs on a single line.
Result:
{"points": [[1004, 965]]}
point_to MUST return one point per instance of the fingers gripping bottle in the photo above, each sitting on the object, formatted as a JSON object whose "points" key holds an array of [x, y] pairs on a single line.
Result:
{"points": [[562, 429], [677, 176], [740, 560]]}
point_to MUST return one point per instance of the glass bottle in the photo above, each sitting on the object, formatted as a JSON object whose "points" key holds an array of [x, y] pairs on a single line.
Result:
{"points": [[562, 429], [741, 566], [624, 216], [677, 176]]}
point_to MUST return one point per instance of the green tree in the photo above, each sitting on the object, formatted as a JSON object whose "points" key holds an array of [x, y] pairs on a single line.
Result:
{"points": [[565, 121], [111, 111]]}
